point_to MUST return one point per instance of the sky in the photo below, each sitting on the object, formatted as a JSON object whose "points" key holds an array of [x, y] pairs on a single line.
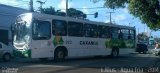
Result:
{"points": [[119, 16]]}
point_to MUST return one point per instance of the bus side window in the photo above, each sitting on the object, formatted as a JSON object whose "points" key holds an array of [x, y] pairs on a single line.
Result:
{"points": [[120, 36], [59, 27], [129, 37], [102, 31], [109, 34], [75, 29], [90, 30], [114, 33], [132, 34], [125, 33], [41, 30]]}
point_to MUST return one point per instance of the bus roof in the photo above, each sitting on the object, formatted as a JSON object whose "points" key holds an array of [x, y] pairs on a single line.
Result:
{"points": [[47, 16]]}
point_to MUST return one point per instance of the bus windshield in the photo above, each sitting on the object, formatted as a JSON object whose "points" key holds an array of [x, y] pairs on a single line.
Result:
{"points": [[21, 33]]}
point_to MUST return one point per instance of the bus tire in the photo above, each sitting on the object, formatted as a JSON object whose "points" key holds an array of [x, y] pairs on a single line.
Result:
{"points": [[60, 54], [6, 57], [115, 52]]}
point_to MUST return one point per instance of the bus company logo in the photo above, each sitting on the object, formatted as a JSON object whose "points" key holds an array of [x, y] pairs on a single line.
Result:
{"points": [[58, 40], [88, 43]]}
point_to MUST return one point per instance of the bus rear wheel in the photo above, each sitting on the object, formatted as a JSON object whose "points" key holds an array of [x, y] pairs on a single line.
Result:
{"points": [[59, 55], [115, 52]]}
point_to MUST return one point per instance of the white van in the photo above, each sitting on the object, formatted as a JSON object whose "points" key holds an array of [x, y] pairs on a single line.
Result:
{"points": [[6, 52]]}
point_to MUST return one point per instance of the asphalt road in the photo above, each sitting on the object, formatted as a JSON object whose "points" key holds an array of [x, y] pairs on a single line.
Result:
{"points": [[124, 64]]}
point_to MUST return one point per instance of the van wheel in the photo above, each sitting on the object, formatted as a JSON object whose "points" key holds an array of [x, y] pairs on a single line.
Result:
{"points": [[115, 52], [6, 57], [59, 55]]}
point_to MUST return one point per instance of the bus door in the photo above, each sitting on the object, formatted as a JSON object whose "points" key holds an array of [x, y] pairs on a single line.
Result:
{"points": [[41, 43]]}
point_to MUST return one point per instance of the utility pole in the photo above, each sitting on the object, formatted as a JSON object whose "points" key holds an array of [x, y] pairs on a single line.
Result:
{"points": [[144, 28], [31, 6], [66, 7], [110, 15], [138, 30]]}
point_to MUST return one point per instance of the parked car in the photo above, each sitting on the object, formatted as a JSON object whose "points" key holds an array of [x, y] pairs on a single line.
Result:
{"points": [[6, 52], [141, 47], [156, 50]]}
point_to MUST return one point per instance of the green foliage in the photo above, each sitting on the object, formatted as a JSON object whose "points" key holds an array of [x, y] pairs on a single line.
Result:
{"points": [[76, 13], [109, 43], [60, 13], [147, 10], [50, 10], [115, 3], [71, 12]]}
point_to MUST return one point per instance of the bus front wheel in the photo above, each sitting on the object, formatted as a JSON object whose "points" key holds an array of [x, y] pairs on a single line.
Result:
{"points": [[59, 55]]}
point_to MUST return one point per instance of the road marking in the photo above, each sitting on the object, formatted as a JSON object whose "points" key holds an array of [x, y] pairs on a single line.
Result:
{"points": [[47, 66]]}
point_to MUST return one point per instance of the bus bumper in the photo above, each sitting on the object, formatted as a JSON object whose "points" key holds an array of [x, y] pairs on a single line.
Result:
{"points": [[23, 54]]}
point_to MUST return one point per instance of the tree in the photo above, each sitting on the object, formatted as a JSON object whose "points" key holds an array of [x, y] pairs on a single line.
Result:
{"points": [[60, 13], [76, 13], [147, 10], [71, 12], [49, 10]]}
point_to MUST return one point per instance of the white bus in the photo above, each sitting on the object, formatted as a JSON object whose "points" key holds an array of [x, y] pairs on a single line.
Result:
{"points": [[43, 36]]}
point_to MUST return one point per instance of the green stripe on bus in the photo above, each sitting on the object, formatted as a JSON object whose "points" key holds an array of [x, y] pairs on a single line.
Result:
{"points": [[119, 43], [26, 53]]}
